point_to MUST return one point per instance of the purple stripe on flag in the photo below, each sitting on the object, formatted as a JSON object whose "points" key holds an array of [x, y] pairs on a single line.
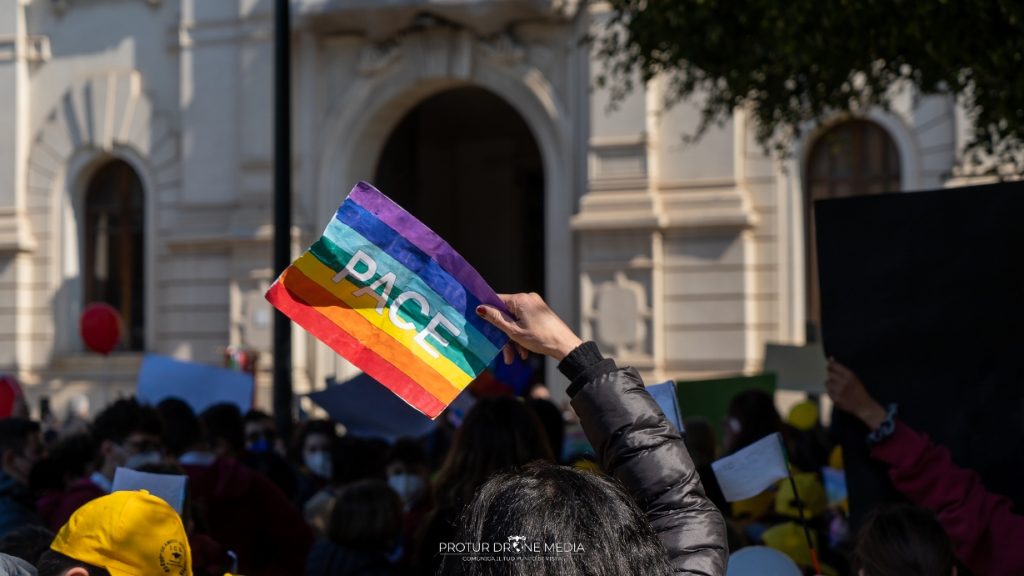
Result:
{"points": [[376, 203]]}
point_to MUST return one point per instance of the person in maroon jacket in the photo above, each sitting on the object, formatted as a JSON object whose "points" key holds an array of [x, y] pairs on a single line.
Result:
{"points": [[239, 508], [986, 534]]}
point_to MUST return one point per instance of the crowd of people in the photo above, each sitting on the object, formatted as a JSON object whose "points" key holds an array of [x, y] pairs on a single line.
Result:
{"points": [[646, 502]]}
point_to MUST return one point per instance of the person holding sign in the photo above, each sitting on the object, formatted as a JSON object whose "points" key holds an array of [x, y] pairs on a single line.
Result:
{"points": [[986, 533], [665, 525]]}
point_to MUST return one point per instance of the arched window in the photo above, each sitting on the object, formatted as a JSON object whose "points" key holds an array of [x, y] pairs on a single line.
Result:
{"points": [[114, 246], [851, 159]]}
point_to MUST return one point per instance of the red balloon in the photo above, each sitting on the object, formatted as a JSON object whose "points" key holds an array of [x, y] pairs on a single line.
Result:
{"points": [[100, 327]]}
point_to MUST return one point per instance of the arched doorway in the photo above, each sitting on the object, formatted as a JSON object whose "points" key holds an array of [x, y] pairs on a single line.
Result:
{"points": [[113, 252], [466, 163], [854, 158]]}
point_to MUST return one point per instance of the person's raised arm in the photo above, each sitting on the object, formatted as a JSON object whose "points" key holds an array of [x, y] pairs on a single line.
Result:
{"points": [[634, 441], [985, 532]]}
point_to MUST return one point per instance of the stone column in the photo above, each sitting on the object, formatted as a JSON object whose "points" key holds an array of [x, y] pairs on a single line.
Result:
{"points": [[15, 236]]}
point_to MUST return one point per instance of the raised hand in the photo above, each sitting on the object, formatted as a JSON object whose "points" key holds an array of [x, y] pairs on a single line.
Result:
{"points": [[533, 327], [850, 395]]}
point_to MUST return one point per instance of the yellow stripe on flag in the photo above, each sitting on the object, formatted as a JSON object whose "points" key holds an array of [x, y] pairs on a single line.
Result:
{"points": [[366, 307]]}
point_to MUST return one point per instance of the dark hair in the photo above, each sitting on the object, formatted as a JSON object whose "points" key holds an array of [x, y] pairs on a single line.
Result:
{"points": [[70, 459], [181, 427], [498, 434], [551, 419], [14, 434], [307, 429], [410, 452], [255, 415], [757, 416], [367, 516], [903, 540], [700, 440], [54, 563], [26, 542], [224, 422], [358, 459], [123, 418], [550, 504]]}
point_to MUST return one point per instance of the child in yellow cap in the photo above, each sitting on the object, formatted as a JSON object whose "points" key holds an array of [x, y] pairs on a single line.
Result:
{"points": [[121, 534]]}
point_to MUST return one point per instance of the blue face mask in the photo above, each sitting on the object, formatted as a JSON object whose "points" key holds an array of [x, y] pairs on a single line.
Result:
{"points": [[261, 446]]}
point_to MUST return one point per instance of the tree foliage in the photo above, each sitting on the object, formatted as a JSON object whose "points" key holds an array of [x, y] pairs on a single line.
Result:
{"points": [[792, 63]]}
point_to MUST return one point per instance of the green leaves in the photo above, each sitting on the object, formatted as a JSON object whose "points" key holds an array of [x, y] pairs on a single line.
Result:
{"points": [[791, 63]]}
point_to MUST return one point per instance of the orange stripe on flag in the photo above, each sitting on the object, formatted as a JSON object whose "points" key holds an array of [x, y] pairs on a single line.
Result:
{"points": [[344, 344], [383, 344]]}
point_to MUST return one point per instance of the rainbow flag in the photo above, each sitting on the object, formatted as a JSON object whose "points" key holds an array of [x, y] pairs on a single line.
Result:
{"points": [[394, 299]]}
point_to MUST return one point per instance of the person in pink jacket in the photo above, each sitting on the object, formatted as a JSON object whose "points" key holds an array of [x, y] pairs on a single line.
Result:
{"points": [[987, 536]]}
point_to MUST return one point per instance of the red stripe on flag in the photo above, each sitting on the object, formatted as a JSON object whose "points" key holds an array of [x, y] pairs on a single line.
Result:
{"points": [[361, 356]]}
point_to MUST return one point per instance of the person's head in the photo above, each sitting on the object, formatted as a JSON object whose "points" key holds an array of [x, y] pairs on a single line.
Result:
{"points": [[903, 540], [700, 440], [498, 434], [128, 434], [354, 458], [314, 441], [225, 431], [27, 542], [367, 516], [408, 470], [71, 458], [548, 504], [260, 432], [752, 416], [12, 399], [127, 532], [21, 446], [182, 431]]}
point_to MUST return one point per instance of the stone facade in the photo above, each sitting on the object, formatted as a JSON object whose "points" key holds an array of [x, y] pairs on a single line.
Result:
{"points": [[682, 260]]}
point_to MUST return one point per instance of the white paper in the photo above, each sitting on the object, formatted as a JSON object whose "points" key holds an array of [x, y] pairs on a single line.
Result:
{"points": [[797, 367], [752, 470], [200, 385], [169, 487]]}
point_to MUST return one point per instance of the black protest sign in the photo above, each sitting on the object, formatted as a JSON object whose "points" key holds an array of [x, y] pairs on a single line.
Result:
{"points": [[923, 297]]}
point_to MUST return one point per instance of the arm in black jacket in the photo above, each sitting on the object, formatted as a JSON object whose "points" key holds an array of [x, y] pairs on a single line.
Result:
{"points": [[636, 444]]}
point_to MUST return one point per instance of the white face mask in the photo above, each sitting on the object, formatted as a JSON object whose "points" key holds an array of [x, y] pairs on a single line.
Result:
{"points": [[136, 461], [319, 463], [408, 486]]}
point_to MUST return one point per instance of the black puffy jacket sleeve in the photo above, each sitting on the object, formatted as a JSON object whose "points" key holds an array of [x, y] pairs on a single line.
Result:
{"points": [[636, 444]]}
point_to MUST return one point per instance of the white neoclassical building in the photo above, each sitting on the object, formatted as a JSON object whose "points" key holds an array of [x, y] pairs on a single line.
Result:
{"points": [[136, 169]]}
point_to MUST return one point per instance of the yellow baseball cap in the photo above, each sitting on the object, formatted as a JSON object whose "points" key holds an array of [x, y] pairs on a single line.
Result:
{"points": [[128, 534]]}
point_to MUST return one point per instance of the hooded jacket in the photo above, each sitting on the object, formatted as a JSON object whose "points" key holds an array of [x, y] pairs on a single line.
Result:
{"points": [[636, 444], [247, 514]]}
